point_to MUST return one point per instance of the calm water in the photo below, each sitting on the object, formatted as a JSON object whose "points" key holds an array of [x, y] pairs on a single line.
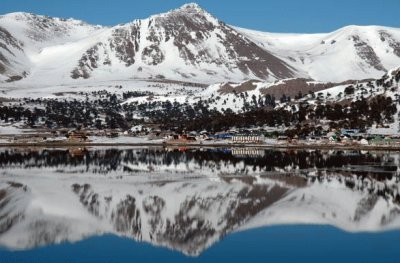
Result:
{"points": [[198, 205]]}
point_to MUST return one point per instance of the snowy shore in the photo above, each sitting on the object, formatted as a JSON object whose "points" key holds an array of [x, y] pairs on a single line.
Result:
{"points": [[144, 141]]}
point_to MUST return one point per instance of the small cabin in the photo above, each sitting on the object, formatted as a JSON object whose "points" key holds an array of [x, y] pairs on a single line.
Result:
{"points": [[77, 136], [187, 137], [282, 138], [181, 139]]}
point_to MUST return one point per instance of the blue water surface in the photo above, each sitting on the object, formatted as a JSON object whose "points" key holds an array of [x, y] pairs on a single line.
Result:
{"points": [[297, 243]]}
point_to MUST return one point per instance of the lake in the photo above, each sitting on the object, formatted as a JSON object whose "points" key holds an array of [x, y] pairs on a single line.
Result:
{"points": [[156, 204]]}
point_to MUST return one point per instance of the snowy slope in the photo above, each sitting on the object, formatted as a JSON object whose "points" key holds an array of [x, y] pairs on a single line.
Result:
{"points": [[352, 52], [186, 44], [183, 44], [24, 37], [224, 96]]}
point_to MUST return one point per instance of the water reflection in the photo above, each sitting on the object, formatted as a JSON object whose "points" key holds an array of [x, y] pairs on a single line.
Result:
{"points": [[188, 199]]}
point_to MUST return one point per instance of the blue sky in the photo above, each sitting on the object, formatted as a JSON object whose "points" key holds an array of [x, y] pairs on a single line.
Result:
{"points": [[266, 15]]}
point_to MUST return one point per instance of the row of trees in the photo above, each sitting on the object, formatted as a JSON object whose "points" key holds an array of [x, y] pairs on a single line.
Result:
{"points": [[108, 113]]}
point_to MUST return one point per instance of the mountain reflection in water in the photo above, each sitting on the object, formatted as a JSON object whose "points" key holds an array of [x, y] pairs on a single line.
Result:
{"points": [[188, 199]]}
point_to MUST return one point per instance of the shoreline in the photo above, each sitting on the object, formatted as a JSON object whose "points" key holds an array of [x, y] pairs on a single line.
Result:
{"points": [[201, 145]]}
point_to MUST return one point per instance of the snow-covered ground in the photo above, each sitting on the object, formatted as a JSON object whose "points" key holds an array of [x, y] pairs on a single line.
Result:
{"points": [[124, 139], [31, 90], [11, 129]]}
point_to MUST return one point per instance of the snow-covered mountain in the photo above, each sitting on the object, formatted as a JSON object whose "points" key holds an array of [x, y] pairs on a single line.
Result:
{"points": [[352, 52], [26, 40], [187, 44]]}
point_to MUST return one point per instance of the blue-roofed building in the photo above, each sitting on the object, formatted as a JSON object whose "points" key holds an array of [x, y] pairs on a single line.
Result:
{"points": [[221, 136], [350, 132]]}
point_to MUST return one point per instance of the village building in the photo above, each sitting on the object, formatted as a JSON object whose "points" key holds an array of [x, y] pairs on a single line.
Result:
{"points": [[177, 139], [350, 132], [77, 136], [282, 138], [248, 138], [220, 136]]}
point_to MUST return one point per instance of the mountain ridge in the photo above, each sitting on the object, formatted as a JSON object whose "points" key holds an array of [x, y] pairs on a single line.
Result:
{"points": [[137, 48], [364, 51], [187, 43]]}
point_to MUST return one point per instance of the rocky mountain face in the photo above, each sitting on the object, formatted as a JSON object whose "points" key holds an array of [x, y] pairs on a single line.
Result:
{"points": [[187, 44], [10, 50]]}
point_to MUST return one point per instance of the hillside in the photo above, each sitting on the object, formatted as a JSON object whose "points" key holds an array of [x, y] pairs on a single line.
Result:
{"points": [[351, 52], [186, 44]]}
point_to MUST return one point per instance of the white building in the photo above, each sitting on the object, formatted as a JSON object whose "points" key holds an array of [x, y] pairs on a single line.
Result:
{"points": [[248, 138]]}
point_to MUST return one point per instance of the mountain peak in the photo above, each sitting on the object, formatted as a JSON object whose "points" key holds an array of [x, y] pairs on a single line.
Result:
{"points": [[191, 7]]}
